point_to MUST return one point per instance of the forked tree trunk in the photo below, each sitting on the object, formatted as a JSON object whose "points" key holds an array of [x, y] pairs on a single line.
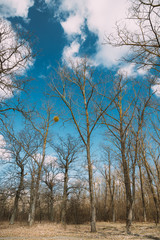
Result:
{"points": [[33, 200]]}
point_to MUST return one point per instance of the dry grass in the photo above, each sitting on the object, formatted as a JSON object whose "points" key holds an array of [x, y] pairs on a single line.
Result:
{"points": [[114, 231]]}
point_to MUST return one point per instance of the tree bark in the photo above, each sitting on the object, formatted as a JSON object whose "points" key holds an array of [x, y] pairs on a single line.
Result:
{"points": [[142, 194], [51, 205], [91, 190], [129, 200], [155, 199], [18, 192], [64, 201]]}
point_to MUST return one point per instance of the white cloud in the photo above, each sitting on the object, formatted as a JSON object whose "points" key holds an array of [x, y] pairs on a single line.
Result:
{"points": [[72, 25], [128, 70], [4, 153], [59, 177], [156, 88], [99, 16], [15, 8], [70, 52], [131, 70], [49, 159]]}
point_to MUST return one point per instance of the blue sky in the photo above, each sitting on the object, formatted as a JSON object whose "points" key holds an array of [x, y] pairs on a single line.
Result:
{"points": [[69, 29], [65, 29]]}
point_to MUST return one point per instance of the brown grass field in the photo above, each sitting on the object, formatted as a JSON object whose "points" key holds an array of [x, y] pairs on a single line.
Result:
{"points": [[105, 230]]}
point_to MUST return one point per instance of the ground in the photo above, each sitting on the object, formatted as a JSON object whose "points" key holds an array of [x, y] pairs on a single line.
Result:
{"points": [[105, 230]]}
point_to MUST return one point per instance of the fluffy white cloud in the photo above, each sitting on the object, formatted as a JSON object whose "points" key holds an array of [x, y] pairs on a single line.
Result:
{"points": [[4, 153], [49, 159], [156, 88], [71, 28], [128, 70], [131, 70], [15, 8], [100, 17], [70, 52]]}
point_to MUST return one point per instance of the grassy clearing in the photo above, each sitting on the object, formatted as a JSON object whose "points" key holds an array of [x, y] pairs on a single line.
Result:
{"points": [[114, 231]]}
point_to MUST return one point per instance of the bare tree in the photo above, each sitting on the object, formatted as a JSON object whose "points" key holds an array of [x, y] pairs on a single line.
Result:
{"points": [[67, 151], [109, 179], [50, 177], [18, 158], [16, 56], [42, 129], [121, 128], [144, 41], [151, 179], [78, 92], [38, 125], [20, 161]]}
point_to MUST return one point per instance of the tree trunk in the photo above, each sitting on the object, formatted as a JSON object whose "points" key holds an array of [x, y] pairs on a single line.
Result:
{"points": [[129, 215], [31, 215], [155, 198], [18, 192], [105, 201], [129, 200], [33, 200], [64, 201], [91, 191], [51, 205], [113, 212], [142, 194]]}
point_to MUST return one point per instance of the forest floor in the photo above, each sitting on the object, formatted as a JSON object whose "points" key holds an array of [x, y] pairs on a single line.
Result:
{"points": [[105, 230]]}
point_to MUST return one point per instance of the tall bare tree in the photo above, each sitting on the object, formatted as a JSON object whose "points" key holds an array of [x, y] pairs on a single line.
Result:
{"points": [[78, 91], [45, 121], [121, 128]]}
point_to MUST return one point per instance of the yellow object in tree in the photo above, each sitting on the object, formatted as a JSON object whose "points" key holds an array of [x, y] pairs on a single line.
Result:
{"points": [[56, 118]]}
